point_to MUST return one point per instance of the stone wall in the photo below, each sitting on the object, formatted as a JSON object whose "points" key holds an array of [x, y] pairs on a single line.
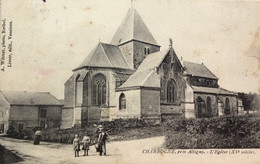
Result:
{"points": [[127, 50], [169, 109], [139, 52], [133, 104], [134, 52], [170, 68], [189, 106], [4, 113], [213, 106], [28, 116], [69, 92], [67, 118], [150, 103], [233, 103]]}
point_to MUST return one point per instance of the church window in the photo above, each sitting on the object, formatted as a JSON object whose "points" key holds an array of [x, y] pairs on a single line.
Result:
{"points": [[77, 90], [227, 107], [207, 83], [209, 111], [146, 51], [99, 90], [198, 80], [171, 92], [122, 101], [200, 107]]}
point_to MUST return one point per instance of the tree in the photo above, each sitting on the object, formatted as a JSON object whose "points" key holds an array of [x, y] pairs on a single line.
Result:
{"points": [[251, 101]]}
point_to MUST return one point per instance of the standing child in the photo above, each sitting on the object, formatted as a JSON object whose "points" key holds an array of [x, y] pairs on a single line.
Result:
{"points": [[86, 142], [76, 145]]}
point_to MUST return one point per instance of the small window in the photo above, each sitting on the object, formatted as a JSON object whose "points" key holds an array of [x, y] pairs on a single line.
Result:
{"points": [[122, 102], [1, 114], [43, 113], [207, 83], [146, 51]]}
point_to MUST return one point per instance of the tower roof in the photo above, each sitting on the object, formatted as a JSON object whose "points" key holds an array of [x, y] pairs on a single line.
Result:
{"points": [[133, 28]]}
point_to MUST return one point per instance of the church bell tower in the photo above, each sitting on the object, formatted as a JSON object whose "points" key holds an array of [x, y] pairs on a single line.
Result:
{"points": [[134, 39]]}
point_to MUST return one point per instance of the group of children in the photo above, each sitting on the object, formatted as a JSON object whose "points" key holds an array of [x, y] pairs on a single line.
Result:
{"points": [[85, 142], [101, 142]]}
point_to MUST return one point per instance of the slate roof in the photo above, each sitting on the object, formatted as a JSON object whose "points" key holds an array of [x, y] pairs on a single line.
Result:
{"points": [[30, 98], [199, 70], [145, 75], [131, 28], [144, 78], [153, 60], [105, 55], [219, 91]]}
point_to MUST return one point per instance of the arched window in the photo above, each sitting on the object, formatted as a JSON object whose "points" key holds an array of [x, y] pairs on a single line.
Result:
{"points": [[122, 101], [227, 107], [77, 90], [209, 111], [99, 90], [200, 107], [171, 92]]}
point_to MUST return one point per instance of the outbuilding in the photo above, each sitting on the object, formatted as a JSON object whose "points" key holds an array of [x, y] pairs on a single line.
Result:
{"points": [[28, 110]]}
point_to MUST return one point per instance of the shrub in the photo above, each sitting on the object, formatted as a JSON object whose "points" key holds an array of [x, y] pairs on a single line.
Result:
{"points": [[115, 127], [221, 132]]}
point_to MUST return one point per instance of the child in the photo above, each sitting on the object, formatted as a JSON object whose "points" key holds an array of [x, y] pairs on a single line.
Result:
{"points": [[76, 145], [86, 142]]}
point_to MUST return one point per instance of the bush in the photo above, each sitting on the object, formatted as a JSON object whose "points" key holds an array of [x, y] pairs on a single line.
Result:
{"points": [[122, 129], [115, 127], [221, 132]]}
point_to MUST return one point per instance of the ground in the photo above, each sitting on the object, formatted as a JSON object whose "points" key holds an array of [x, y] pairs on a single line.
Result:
{"points": [[117, 152]]}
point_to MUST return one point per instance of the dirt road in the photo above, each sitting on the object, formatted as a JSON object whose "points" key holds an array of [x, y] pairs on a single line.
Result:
{"points": [[117, 152]]}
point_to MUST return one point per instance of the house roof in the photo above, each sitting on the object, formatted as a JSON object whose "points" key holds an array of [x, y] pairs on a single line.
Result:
{"points": [[199, 70], [133, 28], [30, 98], [105, 55], [219, 91]]}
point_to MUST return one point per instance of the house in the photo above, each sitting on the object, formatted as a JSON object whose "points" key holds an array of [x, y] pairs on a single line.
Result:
{"points": [[28, 110], [132, 78]]}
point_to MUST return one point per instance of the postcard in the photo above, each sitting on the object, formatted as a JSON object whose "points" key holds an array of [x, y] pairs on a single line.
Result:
{"points": [[130, 81]]}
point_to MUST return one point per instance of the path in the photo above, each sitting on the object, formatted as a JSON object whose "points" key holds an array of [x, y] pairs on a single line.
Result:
{"points": [[117, 152]]}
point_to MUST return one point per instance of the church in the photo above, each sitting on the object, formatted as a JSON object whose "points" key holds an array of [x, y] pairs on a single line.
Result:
{"points": [[131, 77]]}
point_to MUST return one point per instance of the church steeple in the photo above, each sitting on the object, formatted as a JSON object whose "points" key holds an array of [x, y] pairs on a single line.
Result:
{"points": [[134, 39], [133, 28]]}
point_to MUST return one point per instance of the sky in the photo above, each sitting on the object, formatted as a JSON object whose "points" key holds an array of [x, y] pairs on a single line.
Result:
{"points": [[52, 38]]}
